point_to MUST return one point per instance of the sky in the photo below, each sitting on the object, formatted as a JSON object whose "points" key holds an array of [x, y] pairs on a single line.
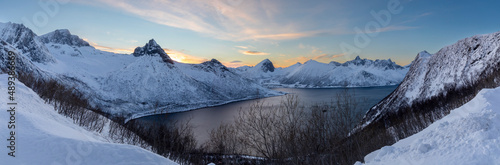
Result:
{"points": [[245, 32]]}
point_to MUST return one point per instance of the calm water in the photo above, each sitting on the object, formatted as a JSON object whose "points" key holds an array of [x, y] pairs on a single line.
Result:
{"points": [[205, 119]]}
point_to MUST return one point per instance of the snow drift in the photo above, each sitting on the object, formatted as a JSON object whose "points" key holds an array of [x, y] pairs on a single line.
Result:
{"points": [[468, 135]]}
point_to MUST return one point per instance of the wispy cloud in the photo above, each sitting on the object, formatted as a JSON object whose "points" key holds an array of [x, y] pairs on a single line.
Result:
{"points": [[254, 53], [394, 28], [425, 14], [294, 60], [233, 64], [234, 20], [242, 47], [327, 56]]}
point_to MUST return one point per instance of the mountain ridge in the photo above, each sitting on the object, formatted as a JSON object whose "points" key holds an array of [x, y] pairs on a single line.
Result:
{"points": [[314, 74], [63, 36], [117, 83]]}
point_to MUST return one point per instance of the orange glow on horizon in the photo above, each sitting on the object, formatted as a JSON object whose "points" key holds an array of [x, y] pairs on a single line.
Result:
{"points": [[184, 58]]}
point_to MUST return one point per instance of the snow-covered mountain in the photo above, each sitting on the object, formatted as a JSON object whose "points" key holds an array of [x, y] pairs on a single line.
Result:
{"points": [[152, 49], [27, 42], [146, 82], [470, 134], [43, 136], [312, 74], [464, 67], [63, 36]]}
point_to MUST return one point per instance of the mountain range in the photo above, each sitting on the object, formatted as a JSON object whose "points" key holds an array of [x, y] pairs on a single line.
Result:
{"points": [[313, 74], [149, 82], [146, 82]]}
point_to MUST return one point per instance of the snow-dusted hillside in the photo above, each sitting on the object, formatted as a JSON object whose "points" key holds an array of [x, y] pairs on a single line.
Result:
{"points": [[42, 136], [462, 64], [146, 82], [312, 74], [468, 135]]}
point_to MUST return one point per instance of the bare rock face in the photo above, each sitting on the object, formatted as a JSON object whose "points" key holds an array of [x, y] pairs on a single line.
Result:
{"points": [[63, 36], [152, 49]]}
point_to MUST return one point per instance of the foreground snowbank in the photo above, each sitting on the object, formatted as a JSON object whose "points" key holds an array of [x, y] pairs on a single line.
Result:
{"points": [[468, 135], [42, 136]]}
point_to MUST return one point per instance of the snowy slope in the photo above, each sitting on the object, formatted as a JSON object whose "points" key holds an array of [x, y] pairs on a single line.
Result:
{"points": [[151, 86], [312, 74], [468, 135], [466, 62], [154, 84], [45, 137], [143, 83]]}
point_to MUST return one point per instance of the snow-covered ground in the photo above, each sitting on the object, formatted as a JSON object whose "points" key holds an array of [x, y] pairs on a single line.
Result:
{"points": [[42, 136], [469, 135]]}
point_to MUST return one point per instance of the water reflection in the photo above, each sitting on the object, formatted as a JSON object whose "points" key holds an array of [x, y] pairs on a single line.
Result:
{"points": [[205, 119]]}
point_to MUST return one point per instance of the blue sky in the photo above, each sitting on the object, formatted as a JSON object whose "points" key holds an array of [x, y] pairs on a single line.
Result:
{"points": [[244, 32]]}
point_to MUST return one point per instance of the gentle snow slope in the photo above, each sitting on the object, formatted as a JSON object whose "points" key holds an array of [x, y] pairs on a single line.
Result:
{"points": [[468, 135], [45, 137]]}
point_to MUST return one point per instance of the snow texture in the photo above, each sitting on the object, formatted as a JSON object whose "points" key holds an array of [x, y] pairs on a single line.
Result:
{"points": [[312, 74], [42, 136], [144, 83], [454, 66], [470, 134]]}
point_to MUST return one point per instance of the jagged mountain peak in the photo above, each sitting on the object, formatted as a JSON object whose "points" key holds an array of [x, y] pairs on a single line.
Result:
{"points": [[213, 62], [26, 41], [152, 49], [358, 61], [266, 66], [266, 61], [63, 36], [311, 61], [384, 64]]}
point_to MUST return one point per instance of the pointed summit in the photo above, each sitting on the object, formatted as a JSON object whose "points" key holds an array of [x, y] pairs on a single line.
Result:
{"points": [[213, 61], [423, 54], [311, 61], [63, 36], [266, 66], [358, 62], [152, 49]]}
